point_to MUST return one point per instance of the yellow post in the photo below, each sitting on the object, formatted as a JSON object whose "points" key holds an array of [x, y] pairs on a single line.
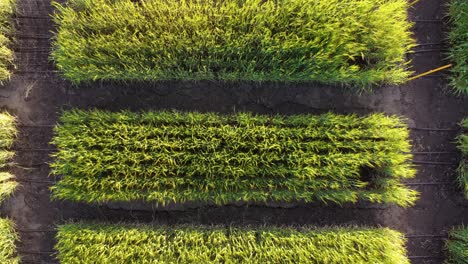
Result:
{"points": [[413, 3], [429, 72]]}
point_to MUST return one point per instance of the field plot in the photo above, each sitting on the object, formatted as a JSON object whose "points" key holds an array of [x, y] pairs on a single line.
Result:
{"points": [[459, 48], [7, 135], [457, 246], [463, 168], [7, 9], [191, 157], [7, 186], [357, 42], [8, 237], [37, 94], [145, 244]]}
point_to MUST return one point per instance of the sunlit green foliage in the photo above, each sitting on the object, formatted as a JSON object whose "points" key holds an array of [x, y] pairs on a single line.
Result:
{"points": [[7, 130], [7, 135], [105, 244], [459, 39], [359, 42], [463, 168], [7, 185], [7, 243], [457, 246], [178, 157], [7, 9]]}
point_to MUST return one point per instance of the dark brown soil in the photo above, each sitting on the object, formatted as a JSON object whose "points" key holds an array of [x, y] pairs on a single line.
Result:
{"points": [[36, 94]]}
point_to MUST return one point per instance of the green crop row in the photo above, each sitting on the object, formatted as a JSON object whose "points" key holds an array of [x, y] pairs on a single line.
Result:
{"points": [[7, 186], [8, 237], [7, 9], [166, 157], [457, 246], [358, 42], [463, 168], [459, 39], [88, 243], [7, 135]]}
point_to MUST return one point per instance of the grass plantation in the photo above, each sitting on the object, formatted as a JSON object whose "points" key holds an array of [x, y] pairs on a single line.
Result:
{"points": [[7, 9], [233, 132], [459, 51], [356, 42], [457, 246], [7, 135], [166, 157], [463, 168], [146, 244], [7, 186], [8, 237], [332, 138]]}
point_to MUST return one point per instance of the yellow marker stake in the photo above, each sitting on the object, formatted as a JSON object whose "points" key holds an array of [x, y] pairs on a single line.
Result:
{"points": [[413, 3], [429, 72]]}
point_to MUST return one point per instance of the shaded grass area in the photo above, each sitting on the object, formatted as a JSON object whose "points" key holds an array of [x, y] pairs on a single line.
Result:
{"points": [[457, 246], [356, 42], [7, 9], [463, 167], [8, 237], [459, 50], [7, 135], [88, 243], [173, 157]]}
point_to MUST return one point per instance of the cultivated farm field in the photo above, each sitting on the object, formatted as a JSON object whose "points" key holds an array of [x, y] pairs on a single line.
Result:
{"points": [[233, 132]]}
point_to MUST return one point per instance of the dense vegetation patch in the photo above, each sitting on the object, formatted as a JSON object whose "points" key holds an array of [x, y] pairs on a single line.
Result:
{"points": [[146, 244], [7, 135], [7, 9], [459, 51], [457, 246], [463, 168], [7, 243], [177, 157], [358, 42]]}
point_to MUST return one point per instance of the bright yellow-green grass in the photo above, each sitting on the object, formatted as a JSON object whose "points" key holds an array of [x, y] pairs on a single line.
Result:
{"points": [[7, 135], [459, 39], [8, 237], [357, 42], [7, 9], [7, 185], [110, 244], [463, 168], [457, 246], [166, 157]]}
